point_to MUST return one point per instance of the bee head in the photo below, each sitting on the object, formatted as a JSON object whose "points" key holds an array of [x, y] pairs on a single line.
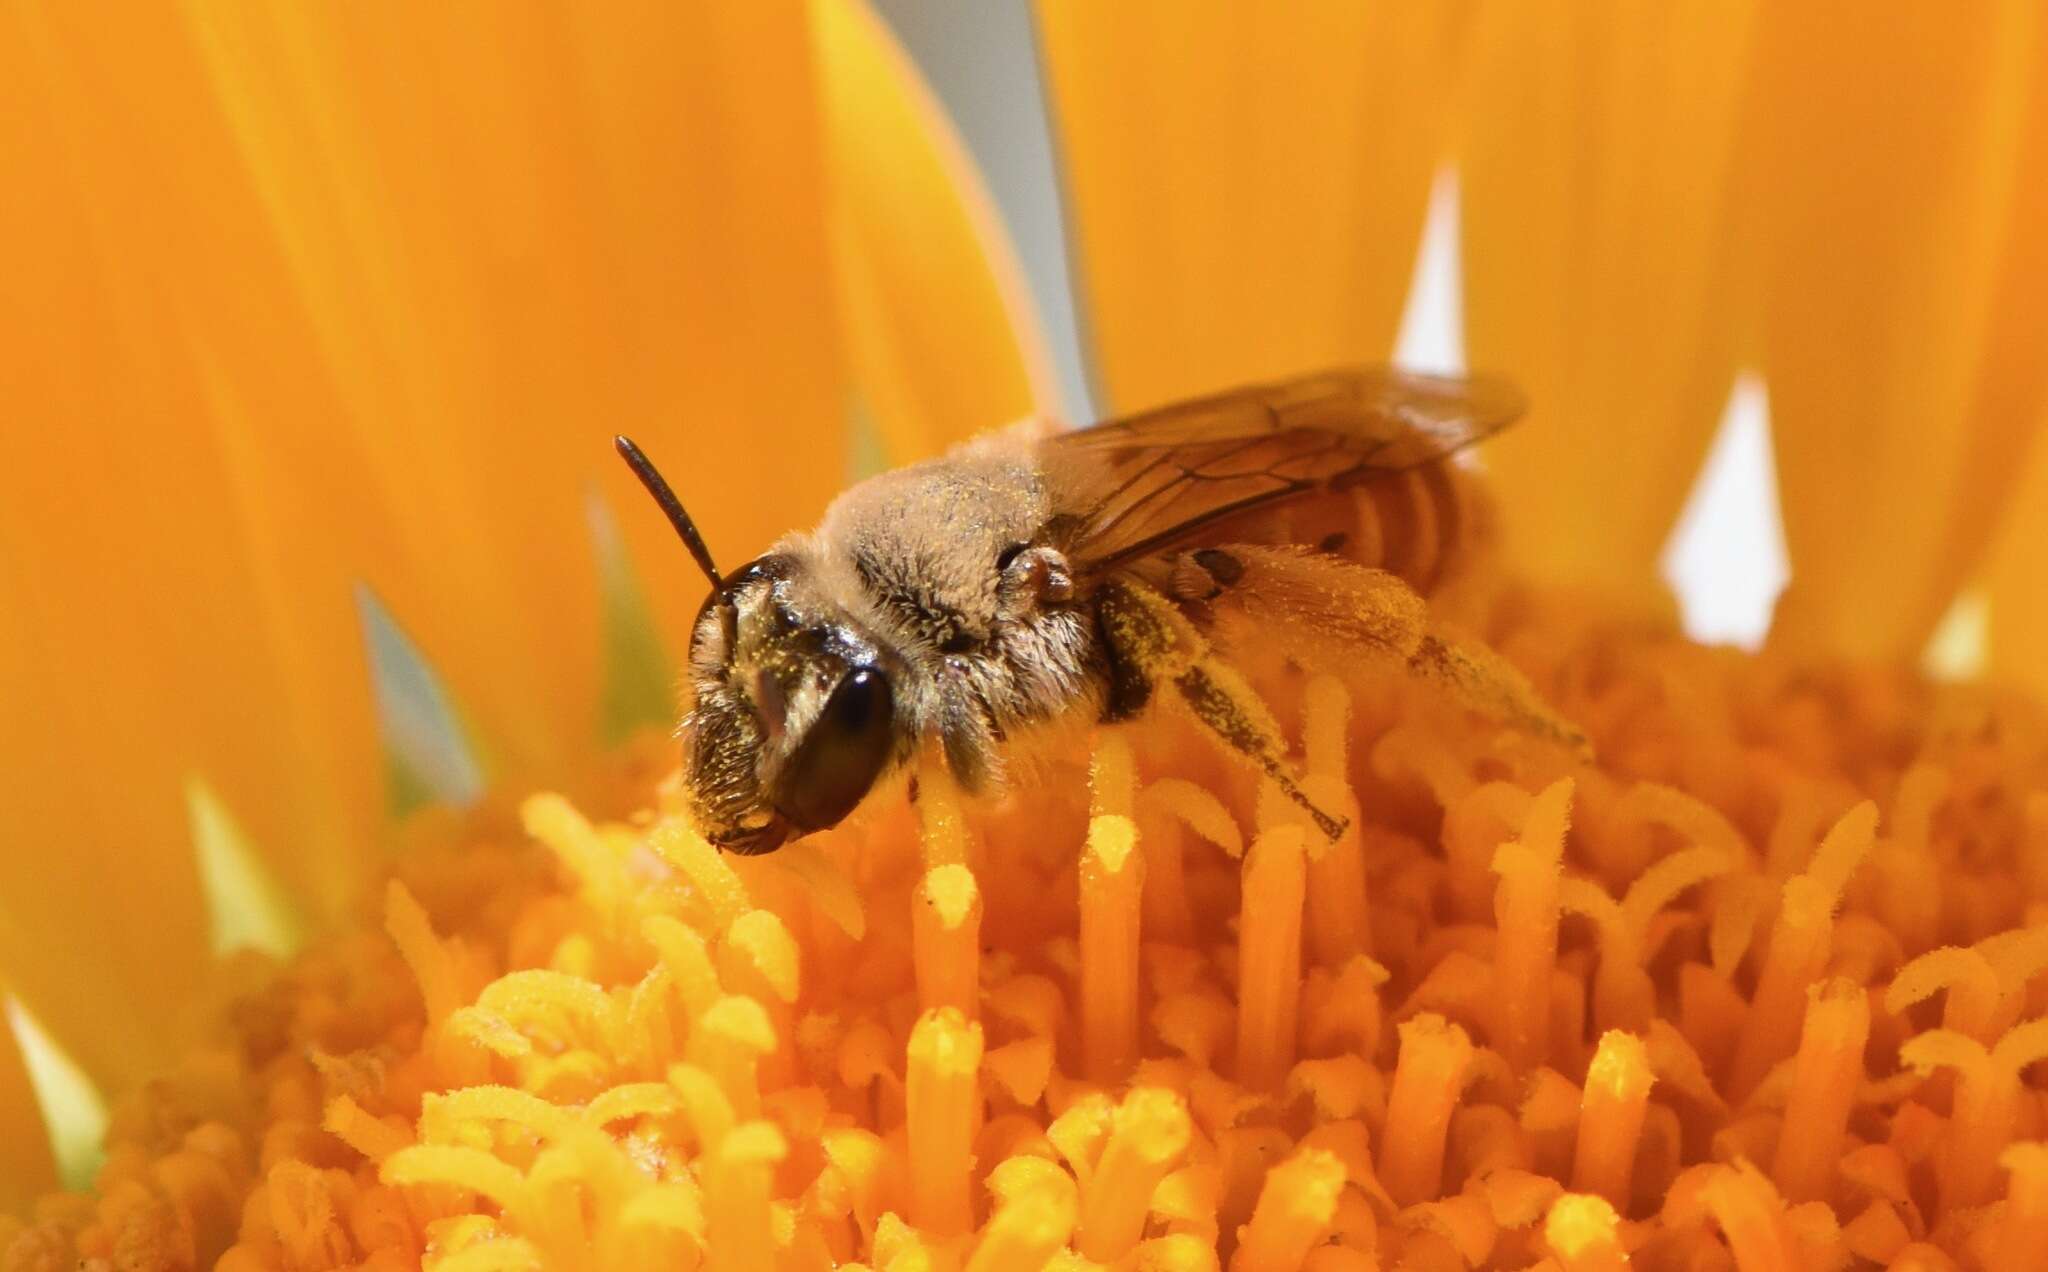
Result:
{"points": [[794, 713]]}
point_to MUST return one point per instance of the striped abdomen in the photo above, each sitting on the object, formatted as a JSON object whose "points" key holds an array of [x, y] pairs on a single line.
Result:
{"points": [[1421, 524]]}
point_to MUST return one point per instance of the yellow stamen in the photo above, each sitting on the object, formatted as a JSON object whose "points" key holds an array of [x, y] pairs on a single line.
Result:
{"points": [[704, 866], [738, 1181], [727, 1043]]}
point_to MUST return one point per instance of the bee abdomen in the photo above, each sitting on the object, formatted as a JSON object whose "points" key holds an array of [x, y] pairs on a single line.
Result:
{"points": [[1420, 525], [1412, 522]]}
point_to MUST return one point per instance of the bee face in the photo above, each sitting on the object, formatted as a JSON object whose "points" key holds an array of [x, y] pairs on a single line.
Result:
{"points": [[794, 715]]}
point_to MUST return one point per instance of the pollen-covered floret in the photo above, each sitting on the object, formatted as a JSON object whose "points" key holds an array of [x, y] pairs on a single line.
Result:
{"points": [[1762, 988]]}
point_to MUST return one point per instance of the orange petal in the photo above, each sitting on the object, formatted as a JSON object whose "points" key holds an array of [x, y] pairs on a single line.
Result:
{"points": [[134, 650], [650, 257], [939, 328], [1595, 220], [309, 297], [1247, 185], [27, 1169], [2006, 458], [2018, 601], [1901, 291]]}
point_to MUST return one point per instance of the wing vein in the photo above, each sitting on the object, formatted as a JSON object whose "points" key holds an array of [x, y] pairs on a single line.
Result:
{"points": [[1145, 483]]}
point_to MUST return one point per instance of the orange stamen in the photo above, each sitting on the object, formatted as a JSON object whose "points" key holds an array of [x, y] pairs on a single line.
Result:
{"points": [[1526, 913], [1427, 1081], [1611, 1117], [1112, 890], [1269, 956], [1798, 954], [1338, 924], [1583, 1232], [1294, 1211], [1148, 1135], [946, 940], [1825, 1076], [942, 823], [1752, 1218], [2023, 1232], [1987, 1102], [738, 1178], [943, 1106]]}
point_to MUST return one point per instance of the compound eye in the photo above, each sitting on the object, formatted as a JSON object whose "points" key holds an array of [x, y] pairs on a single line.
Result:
{"points": [[842, 753]]}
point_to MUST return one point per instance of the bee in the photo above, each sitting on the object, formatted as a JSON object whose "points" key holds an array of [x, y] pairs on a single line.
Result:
{"points": [[943, 611]]}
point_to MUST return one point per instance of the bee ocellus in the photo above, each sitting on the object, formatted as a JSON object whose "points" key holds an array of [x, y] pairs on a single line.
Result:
{"points": [[942, 612]]}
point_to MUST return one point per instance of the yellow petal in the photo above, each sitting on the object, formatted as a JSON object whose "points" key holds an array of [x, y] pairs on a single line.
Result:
{"points": [[1888, 204], [313, 297], [1247, 185], [1596, 219], [940, 333]]}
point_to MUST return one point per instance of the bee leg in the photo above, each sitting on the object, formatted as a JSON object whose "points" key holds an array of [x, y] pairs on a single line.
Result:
{"points": [[1149, 641], [968, 734], [1130, 689], [1482, 680], [1222, 701], [1326, 613], [1142, 638]]}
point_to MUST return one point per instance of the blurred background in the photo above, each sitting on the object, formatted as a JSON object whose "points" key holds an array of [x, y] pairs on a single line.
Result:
{"points": [[1725, 559], [318, 320]]}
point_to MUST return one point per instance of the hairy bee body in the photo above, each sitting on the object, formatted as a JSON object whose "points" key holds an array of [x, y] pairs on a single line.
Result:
{"points": [[945, 611]]}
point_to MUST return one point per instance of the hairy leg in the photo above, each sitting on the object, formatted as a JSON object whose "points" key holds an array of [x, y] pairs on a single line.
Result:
{"points": [[1150, 643], [1327, 613]]}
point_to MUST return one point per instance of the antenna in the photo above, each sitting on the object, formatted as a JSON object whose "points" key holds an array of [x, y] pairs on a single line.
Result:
{"points": [[644, 469]]}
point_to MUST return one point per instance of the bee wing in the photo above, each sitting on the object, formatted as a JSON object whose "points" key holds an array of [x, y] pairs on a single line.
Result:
{"points": [[1133, 487]]}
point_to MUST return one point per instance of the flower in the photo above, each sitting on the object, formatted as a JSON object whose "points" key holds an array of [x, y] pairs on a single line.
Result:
{"points": [[318, 369]]}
